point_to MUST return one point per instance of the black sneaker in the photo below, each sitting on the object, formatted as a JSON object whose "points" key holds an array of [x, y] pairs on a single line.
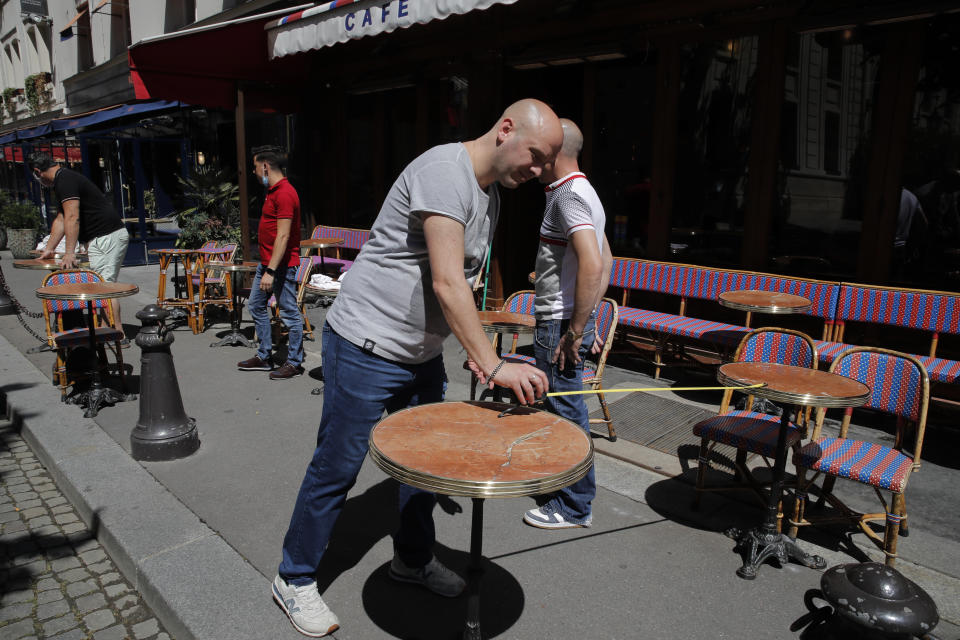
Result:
{"points": [[286, 372], [255, 364]]}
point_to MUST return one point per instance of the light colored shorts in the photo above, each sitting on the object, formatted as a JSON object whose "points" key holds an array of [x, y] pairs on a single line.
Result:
{"points": [[106, 253]]}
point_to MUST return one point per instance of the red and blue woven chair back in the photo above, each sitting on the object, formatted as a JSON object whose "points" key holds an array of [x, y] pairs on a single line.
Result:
{"points": [[303, 269], [914, 309], [898, 382], [71, 277], [352, 238], [605, 320], [783, 347], [520, 302], [210, 244]]}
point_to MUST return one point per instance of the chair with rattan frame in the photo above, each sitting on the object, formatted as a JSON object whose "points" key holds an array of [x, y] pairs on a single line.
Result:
{"points": [[213, 287], [302, 278], [62, 339], [900, 386], [748, 430]]}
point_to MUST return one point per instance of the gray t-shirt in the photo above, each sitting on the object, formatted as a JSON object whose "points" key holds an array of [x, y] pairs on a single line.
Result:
{"points": [[386, 303]]}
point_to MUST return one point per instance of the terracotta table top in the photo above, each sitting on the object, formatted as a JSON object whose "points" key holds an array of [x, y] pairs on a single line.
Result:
{"points": [[87, 291], [48, 264], [795, 385], [464, 449], [507, 321], [320, 243], [173, 252], [233, 266], [764, 301]]}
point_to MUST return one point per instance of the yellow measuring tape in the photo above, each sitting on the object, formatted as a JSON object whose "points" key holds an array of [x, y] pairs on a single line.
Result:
{"points": [[578, 393]]}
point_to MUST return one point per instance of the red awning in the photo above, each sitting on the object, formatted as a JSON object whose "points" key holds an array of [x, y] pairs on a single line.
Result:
{"points": [[204, 66]]}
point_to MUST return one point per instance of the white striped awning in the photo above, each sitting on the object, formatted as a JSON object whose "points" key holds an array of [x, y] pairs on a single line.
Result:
{"points": [[329, 23]]}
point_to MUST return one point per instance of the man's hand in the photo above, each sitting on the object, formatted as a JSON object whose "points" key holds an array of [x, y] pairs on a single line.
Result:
{"points": [[477, 371], [527, 383], [567, 351], [597, 347], [68, 261], [46, 254], [266, 282]]}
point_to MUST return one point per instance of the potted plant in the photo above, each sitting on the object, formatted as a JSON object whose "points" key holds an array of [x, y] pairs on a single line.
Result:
{"points": [[22, 222], [213, 208]]}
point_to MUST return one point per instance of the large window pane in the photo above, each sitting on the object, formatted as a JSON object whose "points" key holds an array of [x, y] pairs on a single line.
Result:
{"points": [[927, 240], [713, 148], [825, 137]]}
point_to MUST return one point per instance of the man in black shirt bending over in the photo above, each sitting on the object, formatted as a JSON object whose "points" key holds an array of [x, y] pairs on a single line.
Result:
{"points": [[86, 216]]}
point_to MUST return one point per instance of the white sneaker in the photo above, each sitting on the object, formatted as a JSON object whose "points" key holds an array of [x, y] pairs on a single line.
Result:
{"points": [[307, 611], [546, 517], [434, 576]]}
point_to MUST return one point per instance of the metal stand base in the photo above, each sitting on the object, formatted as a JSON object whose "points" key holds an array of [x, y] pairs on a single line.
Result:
{"points": [[94, 398], [471, 630], [756, 547], [7, 307], [233, 338]]}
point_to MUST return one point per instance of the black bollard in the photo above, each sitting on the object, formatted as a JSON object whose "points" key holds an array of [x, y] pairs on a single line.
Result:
{"points": [[7, 307], [163, 432]]}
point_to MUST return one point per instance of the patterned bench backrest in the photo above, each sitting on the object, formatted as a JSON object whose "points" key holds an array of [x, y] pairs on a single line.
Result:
{"points": [[776, 346], [823, 295], [681, 280], [927, 310], [71, 277], [896, 383], [520, 302], [352, 238]]}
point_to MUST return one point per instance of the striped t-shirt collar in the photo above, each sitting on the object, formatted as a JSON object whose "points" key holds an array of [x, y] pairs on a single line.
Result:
{"points": [[567, 178]]}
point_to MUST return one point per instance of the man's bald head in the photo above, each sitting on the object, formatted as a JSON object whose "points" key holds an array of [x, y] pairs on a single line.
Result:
{"points": [[524, 141], [572, 139]]}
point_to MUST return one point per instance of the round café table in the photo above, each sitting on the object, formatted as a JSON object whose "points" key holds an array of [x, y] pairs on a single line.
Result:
{"points": [[756, 301], [320, 244], [235, 269], [98, 394], [37, 252], [464, 449], [47, 264], [795, 387]]}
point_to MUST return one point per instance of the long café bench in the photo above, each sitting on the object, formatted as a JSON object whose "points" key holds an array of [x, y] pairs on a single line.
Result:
{"points": [[936, 313]]}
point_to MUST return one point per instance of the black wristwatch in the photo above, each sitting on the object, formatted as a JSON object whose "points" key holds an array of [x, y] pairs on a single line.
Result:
{"points": [[572, 335], [269, 271]]}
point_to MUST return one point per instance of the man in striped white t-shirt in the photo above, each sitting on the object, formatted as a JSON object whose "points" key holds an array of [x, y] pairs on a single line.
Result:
{"points": [[573, 267]]}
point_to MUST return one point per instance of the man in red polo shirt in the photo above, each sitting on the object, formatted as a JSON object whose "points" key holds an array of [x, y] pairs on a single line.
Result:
{"points": [[279, 235]]}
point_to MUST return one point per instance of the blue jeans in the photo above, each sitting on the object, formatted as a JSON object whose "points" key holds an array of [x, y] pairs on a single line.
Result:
{"points": [[573, 502], [358, 387], [285, 290]]}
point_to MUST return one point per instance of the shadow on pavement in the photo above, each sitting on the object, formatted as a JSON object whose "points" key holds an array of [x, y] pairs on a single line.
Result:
{"points": [[413, 613]]}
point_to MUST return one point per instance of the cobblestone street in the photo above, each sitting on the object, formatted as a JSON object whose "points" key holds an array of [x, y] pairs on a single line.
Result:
{"points": [[56, 581]]}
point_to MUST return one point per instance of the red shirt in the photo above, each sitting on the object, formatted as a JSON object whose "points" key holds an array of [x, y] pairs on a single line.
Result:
{"points": [[282, 202]]}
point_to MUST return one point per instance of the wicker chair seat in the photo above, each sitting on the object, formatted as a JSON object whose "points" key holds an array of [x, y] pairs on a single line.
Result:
{"points": [[755, 432], [866, 462]]}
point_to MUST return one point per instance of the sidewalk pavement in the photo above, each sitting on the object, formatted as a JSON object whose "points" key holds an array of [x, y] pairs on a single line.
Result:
{"points": [[200, 538]]}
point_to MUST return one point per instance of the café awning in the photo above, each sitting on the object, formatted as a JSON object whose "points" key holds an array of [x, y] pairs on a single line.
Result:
{"points": [[341, 20], [206, 65]]}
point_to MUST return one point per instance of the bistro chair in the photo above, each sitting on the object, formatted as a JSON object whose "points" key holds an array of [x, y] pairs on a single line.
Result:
{"points": [[900, 387], [212, 285], [748, 430], [606, 323], [302, 278], [63, 338]]}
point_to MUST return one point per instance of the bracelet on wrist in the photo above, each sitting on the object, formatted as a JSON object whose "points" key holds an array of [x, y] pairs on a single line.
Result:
{"points": [[496, 369]]}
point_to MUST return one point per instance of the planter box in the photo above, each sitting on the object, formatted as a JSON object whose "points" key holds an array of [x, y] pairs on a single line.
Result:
{"points": [[21, 241]]}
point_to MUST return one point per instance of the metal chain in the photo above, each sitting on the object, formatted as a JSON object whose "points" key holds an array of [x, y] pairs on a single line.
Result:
{"points": [[21, 310]]}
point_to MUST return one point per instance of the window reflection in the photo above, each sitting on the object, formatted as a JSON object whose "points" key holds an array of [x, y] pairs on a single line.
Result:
{"points": [[927, 239], [824, 140], [713, 148]]}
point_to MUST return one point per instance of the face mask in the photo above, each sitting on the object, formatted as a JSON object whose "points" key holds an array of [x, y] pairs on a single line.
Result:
{"points": [[265, 180]]}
